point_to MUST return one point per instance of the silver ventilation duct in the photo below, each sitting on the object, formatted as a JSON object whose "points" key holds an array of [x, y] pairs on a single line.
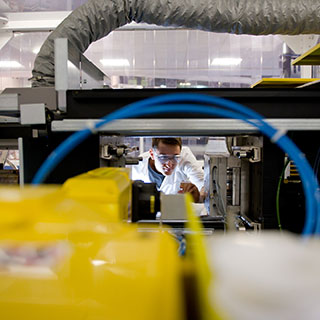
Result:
{"points": [[97, 18]]}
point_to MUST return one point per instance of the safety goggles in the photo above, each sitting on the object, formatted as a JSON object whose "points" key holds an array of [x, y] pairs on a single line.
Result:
{"points": [[164, 158]]}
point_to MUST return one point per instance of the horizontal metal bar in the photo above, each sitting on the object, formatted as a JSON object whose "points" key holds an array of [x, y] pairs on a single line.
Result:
{"points": [[48, 21], [8, 119], [33, 21], [9, 102], [183, 126], [8, 143]]}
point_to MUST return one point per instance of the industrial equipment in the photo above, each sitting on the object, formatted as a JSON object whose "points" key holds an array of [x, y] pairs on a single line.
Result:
{"points": [[233, 179], [245, 175], [72, 250], [68, 252], [91, 244]]}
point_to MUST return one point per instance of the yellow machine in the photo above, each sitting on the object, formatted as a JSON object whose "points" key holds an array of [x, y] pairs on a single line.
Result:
{"points": [[106, 190], [62, 259], [65, 254]]}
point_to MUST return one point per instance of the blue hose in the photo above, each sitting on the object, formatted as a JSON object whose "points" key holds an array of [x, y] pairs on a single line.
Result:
{"points": [[149, 107]]}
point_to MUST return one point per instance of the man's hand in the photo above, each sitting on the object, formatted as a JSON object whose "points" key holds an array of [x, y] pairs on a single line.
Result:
{"points": [[191, 188]]}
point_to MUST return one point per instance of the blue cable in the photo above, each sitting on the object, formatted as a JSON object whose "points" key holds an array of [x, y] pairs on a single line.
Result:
{"points": [[87, 132], [147, 106], [182, 245], [316, 171]]}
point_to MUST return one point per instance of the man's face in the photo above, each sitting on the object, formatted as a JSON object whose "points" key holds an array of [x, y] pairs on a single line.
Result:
{"points": [[166, 157]]}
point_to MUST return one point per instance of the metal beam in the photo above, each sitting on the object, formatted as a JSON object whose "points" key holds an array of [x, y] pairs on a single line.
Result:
{"points": [[48, 21], [33, 21], [5, 37], [141, 127]]}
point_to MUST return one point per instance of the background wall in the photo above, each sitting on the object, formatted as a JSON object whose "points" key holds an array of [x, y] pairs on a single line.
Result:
{"points": [[153, 56]]}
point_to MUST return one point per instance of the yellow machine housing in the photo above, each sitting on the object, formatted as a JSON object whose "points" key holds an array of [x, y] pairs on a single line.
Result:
{"points": [[107, 190], [63, 255]]}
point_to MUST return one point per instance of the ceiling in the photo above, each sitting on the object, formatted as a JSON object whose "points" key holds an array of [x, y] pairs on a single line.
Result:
{"points": [[39, 5], [175, 56]]}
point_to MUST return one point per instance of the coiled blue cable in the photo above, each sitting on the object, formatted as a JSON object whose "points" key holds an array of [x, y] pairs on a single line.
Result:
{"points": [[159, 104]]}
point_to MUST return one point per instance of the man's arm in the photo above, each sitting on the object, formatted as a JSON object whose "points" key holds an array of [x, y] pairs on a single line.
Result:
{"points": [[191, 188], [192, 169], [195, 175]]}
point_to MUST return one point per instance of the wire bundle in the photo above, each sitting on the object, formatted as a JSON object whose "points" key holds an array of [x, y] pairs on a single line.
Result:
{"points": [[207, 105]]}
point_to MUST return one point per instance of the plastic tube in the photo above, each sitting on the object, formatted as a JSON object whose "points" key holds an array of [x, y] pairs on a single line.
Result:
{"points": [[147, 107]]}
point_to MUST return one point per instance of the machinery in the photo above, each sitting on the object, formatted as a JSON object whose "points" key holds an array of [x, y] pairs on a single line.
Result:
{"points": [[244, 175], [89, 244], [92, 243], [65, 252], [232, 179], [72, 251]]}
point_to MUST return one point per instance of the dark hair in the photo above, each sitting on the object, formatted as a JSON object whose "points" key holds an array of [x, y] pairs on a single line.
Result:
{"points": [[171, 141]]}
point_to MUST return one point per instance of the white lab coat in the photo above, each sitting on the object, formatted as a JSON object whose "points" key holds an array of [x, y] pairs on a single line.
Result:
{"points": [[187, 170]]}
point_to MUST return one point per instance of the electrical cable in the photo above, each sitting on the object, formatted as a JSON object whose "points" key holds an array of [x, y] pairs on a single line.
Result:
{"points": [[316, 172], [182, 245], [278, 194], [170, 108], [149, 107]]}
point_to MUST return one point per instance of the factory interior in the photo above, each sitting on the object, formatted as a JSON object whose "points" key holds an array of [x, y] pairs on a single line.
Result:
{"points": [[159, 159]]}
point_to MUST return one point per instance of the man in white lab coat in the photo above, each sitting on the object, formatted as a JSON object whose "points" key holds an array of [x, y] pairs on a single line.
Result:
{"points": [[172, 167]]}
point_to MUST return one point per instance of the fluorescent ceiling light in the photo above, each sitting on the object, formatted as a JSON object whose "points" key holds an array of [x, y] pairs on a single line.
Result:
{"points": [[115, 62], [226, 61], [284, 48], [10, 64]]}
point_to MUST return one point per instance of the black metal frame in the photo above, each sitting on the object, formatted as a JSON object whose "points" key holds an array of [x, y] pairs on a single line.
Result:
{"points": [[271, 103], [281, 103]]}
